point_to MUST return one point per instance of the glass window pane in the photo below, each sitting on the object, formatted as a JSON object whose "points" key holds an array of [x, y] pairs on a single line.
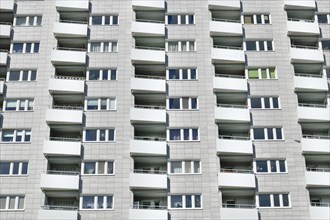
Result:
{"points": [[92, 104], [30, 105], [31, 20], [100, 202], [3, 202], [173, 73], [186, 135], [89, 168], [21, 104], [106, 47], [263, 73], [36, 48], [276, 200], [191, 19], [21, 200], [185, 103], [261, 45], [25, 75], [172, 46], [102, 135], [188, 201], [94, 74], [104, 74], [262, 166], [112, 105], [253, 74], [18, 48], [187, 166], [20, 21], [258, 19], [113, 74], [27, 137], [322, 18], [264, 200], [272, 73], [270, 133], [172, 19], [96, 20], [90, 135], [193, 103], [24, 168], [114, 19], [11, 105], [12, 202], [114, 47], [111, 135], [175, 134], [255, 102], [273, 166], [285, 199], [7, 136], [15, 168], [88, 202], [184, 73], [275, 102], [184, 46], [4, 168], [325, 44], [39, 19], [269, 45], [19, 134], [282, 166], [198, 203], [267, 102], [266, 18], [191, 45], [96, 47], [258, 133], [109, 202], [106, 20], [33, 75], [183, 19], [251, 45], [279, 133], [176, 167], [103, 104], [248, 19], [197, 167], [110, 168], [195, 134], [28, 47], [14, 75], [193, 74], [176, 201]]}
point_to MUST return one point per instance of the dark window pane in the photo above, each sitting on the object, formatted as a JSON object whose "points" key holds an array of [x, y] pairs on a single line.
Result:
{"points": [[183, 19], [326, 44], [266, 17], [111, 135], [15, 168], [185, 103], [27, 137], [100, 202], [186, 134], [193, 103], [193, 74], [275, 102], [198, 203], [102, 135], [110, 168], [173, 74], [18, 48], [264, 74], [113, 74], [96, 20], [269, 45], [28, 48], [282, 166], [195, 134], [276, 200], [251, 45], [184, 74], [248, 19], [255, 102], [285, 200], [261, 45], [106, 20], [191, 19], [104, 74], [188, 201], [36, 48], [7, 136], [270, 133], [4, 168], [258, 19], [273, 166], [322, 18], [92, 104], [93, 74], [14, 75], [109, 202], [264, 200], [258, 133], [114, 19], [89, 168], [172, 19], [25, 75], [176, 201], [24, 168], [88, 202], [174, 103], [175, 134], [3, 202], [267, 102], [19, 134], [262, 166], [279, 133], [90, 135], [39, 18]]}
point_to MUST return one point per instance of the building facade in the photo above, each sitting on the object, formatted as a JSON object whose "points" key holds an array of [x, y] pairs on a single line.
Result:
{"points": [[167, 110]]}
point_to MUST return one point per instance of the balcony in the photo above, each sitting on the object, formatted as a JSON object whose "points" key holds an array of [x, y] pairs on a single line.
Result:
{"points": [[64, 115], [315, 144], [232, 113], [302, 27], [310, 82], [148, 146], [148, 84], [306, 54], [141, 27], [148, 114], [72, 5], [2, 85], [64, 147], [136, 213], [148, 5], [3, 57], [234, 178], [68, 56], [224, 54], [238, 212], [5, 30], [70, 29], [313, 113], [320, 211], [148, 179], [317, 177], [234, 145], [225, 5], [148, 55], [63, 84], [302, 4], [59, 180], [229, 83], [6, 5], [48, 213], [221, 27]]}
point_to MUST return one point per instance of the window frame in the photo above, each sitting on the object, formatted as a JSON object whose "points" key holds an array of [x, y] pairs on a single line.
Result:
{"points": [[265, 43], [179, 45], [262, 100], [98, 135], [30, 72], [95, 203], [281, 206], [23, 137], [181, 130], [103, 18], [102, 46], [183, 199], [27, 17], [99, 103], [183, 167], [266, 133], [20, 168], [254, 19], [100, 74], [180, 71], [178, 19], [16, 204], [190, 103], [269, 171], [32, 49], [27, 102], [260, 69], [106, 166]]}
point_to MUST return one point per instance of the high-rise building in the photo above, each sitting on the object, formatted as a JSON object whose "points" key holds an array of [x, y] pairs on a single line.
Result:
{"points": [[164, 109]]}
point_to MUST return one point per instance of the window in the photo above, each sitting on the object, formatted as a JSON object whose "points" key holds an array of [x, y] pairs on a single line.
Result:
{"points": [[180, 46], [273, 200], [325, 45], [100, 135], [100, 104], [31, 20], [25, 47], [98, 167], [180, 19], [183, 134], [257, 19], [185, 167], [323, 18], [267, 133], [12, 202], [184, 103], [15, 136], [270, 166], [103, 47], [189, 201], [97, 202], [261, 73], [18, 105], [102, 74], [260, 45], [22, 75], [264, 102], [104, 20], [182, 74], [13, 168]]}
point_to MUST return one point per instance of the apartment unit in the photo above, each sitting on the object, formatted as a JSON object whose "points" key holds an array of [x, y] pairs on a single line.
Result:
{"points": [[164, 109]]}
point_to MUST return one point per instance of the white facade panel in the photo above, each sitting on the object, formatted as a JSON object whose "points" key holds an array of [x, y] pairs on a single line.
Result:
{"points": [[148, 5], [313, 114], [3, 58], [313, 145], [140, 28], [6, 5], [223, 5], [147, 56], [302, 4], [303, 28], [232, 114], [148, 115], [320, 213], [5, 30], [72, 5], [306, 55], [2, 83]]}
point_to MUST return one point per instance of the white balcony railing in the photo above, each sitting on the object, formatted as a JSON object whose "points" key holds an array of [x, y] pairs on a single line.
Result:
{"points": [[68, 56], [320, 211], [317, 177], [306, 54], [238, 212], [59, 181], [315, 144], [223, 27], [229, 83], [65, 28], [232, 113], [302, 27], [148, 181], [310, 82], [141, 27], [3, 57], [236, 178], [62, 148]]}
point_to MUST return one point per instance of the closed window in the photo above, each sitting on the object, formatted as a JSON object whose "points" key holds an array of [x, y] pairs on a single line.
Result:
{"points": [[180, 46], [184, 103], [270, 166], [104, 20], [100, 104], [323, 18], [264, 102], [97, 202], [104, 47], [102, 74], [257, 19], [185, 167], [182, 74], [259, 45], [325, 45], [183, 134], [22, 75], [18, 105], [180, 19], [188, 201], [25, 47], [267, 134], [266, 200], [98, 167], [99, 135], [12, 202], [261, 73], [13, 168], [18, 136], [31, 20]]}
